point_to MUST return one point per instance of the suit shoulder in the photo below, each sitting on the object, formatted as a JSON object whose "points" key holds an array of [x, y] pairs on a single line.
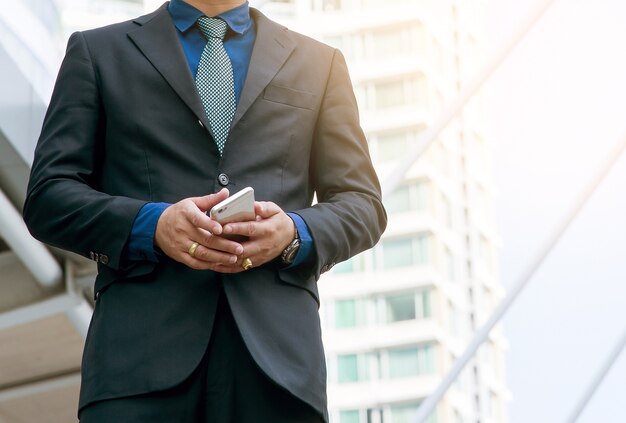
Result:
{"points": [[122, 28], [305, 40], [301, 40]]}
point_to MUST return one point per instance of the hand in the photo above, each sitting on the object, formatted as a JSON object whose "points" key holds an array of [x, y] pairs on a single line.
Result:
{"points": [[186, 222], [268, 235]]}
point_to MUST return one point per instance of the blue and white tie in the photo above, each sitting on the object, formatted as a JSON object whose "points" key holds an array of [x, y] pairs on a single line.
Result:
{"points": [[215, 81]]}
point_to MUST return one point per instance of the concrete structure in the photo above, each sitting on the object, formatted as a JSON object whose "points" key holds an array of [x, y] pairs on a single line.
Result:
{"points": [[396, 317], [45, 296]]}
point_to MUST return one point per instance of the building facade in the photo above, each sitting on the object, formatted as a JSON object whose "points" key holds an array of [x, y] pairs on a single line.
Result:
{"points": [[396, 317]]}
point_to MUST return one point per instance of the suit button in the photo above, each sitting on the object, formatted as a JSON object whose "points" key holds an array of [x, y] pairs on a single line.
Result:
{"points": [[104, 259], [223, 179]]}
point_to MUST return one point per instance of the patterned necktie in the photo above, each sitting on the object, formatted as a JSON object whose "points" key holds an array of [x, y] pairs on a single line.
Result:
{"points": [[214, 80]]}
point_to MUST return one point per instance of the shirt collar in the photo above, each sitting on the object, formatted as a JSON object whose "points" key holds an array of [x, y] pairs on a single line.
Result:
{"points": [[185, 16]]}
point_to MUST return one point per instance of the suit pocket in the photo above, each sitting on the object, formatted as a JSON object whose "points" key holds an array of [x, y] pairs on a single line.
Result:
{"points": [[107, 276], [292, 277], [289, 96]]}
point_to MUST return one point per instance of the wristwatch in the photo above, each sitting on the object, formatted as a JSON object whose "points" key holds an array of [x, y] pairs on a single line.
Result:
{"points": [[291, 251]]}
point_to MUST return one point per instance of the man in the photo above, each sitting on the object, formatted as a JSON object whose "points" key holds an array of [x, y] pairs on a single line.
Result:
{"points": [[147, 118]]}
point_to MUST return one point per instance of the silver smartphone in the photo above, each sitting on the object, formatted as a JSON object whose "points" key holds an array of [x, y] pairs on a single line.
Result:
{"points": [[238, 207]]}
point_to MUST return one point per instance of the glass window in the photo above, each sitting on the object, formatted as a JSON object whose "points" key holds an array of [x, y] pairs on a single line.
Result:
{"points": [[400, 307], [404, 413], [403, 362], [399, 200], [354, 264], [349, 416], [422, 249], [347, 368], [390, 94], [374, 415], [420, 195], [336, 41], [453, 319], [397, 253], [408, 196], [344, 267], [387, 43], [405, 251], [411, 361], [357, 367], [426, 359], [426, 305], [350, 313], [391, 146]]}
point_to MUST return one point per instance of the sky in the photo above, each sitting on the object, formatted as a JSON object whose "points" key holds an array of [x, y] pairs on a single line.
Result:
{"points": [[557, 108]]}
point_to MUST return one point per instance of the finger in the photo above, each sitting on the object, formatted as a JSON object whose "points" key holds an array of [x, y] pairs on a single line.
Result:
{"points": [[206, 202], [257, 261], [228, 268], [251, 249], [235, 267], [199, 219], [242, 228], [214, 242], [210, 255], [195, 263]]}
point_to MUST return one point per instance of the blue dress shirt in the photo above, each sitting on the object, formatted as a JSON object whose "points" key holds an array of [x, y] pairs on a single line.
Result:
{"points": [[238, 44]]}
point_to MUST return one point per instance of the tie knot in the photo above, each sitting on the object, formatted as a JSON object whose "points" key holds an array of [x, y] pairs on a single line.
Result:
{"points": [[212, 27]]}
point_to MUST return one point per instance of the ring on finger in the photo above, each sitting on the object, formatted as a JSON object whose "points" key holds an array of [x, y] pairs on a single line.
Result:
{"points": [[246, 264], [192, 249]]}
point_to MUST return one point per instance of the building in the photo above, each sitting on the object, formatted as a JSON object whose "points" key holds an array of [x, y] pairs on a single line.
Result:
{"points": [[397, 316], [394, 317]]}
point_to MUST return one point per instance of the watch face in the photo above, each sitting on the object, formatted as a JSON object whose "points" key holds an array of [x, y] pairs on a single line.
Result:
{"points": [[291, 251]]}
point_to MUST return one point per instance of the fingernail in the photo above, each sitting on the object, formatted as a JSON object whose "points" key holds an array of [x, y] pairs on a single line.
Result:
{"points": [[239, 250], [233, 259], [227, 229]]}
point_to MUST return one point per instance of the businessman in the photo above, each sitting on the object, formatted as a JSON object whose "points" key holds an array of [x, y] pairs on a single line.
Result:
{"points": [[151, 123]]}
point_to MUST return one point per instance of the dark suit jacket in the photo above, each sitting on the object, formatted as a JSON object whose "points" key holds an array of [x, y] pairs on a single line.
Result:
{"points": [[126, 126]]}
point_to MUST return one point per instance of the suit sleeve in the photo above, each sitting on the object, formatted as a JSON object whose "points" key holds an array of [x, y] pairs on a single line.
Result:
{"points": [[64, 206], [349, 216]]}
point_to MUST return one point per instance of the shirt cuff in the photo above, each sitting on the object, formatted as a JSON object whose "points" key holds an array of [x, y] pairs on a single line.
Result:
{"points": [[306, 241], [140, 246]]}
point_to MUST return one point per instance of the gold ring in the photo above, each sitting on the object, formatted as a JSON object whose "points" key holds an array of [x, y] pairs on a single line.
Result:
{"points": [[192, 249], [246, 264]]}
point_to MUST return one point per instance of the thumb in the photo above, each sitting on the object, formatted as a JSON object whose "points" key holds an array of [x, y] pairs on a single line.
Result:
{"points": [[206, 202], [266, 209]]}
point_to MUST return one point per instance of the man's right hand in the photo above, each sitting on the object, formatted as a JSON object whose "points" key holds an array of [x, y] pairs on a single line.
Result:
{"points": [[186, 222]]}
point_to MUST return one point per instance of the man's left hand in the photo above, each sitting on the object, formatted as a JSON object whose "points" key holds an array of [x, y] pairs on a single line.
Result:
{"points": [[268, 235]]}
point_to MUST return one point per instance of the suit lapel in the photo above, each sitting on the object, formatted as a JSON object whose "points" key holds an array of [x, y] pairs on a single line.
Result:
{"points": [[272, 48], [158, 40]]}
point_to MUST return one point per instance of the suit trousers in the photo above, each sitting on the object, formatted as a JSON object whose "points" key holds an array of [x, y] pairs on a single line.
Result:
{"points": [[226, 387]]}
